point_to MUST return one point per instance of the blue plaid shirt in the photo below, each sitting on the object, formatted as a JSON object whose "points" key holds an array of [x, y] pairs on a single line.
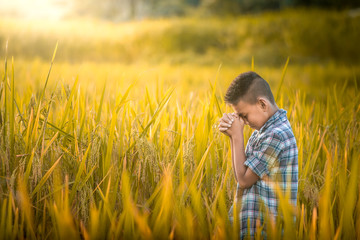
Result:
{"points": [[271, 151]]}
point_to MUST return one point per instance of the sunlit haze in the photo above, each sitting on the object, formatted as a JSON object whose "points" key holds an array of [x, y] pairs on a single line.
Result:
{"points": [[35, 9]]}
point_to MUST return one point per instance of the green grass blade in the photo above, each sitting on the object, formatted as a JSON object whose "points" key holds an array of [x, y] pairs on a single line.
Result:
{"points": [[109, 148], [199, 168], [282, 79], [44, 178], [12, 117], [29, 165], [5, 97], [98, 114], [161, 105], [80, 172], [69, 102], [124, 97], [48, 75], [68, 135]]}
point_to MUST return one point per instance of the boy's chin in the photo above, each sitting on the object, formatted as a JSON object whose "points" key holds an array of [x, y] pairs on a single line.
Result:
{"points": [[253, 127]]}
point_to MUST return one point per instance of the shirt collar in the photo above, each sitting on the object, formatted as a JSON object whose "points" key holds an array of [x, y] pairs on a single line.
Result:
{"points": [[279, 115]]}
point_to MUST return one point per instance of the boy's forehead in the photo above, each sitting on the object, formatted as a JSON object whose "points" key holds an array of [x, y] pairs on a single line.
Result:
{"points": [[240, 107]]}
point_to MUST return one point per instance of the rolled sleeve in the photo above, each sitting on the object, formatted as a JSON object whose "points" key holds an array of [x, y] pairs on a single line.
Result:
{"points": [[265, 154]]}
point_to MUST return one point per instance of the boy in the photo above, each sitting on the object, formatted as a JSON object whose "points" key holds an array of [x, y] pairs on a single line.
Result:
{"points": [[271, 152]]}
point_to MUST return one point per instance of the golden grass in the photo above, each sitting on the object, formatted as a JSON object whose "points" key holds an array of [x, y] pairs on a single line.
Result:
{"points": [[110, 150]]}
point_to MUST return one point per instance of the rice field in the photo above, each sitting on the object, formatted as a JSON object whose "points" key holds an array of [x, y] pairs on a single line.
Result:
{"points": [[128, 149]]}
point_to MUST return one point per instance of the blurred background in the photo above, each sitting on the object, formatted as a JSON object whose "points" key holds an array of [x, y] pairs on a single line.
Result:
{"points": [[124, 10], [188, 38]]}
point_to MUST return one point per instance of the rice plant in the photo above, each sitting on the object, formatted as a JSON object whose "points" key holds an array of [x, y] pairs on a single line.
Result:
{"points": [[140, 160]]}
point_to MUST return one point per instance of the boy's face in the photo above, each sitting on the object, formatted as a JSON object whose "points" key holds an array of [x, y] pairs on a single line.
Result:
{"points": [[254, 115]]}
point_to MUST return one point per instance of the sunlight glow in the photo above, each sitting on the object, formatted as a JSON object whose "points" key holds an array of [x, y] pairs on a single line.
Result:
{"points": [[35, 9]]}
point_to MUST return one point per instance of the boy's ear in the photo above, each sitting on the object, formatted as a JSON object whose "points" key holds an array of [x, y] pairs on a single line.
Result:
{"points": [[262, 103]]}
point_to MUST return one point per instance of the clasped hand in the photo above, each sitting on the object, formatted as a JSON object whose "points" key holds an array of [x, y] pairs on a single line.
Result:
{"points": [[231, 124]]}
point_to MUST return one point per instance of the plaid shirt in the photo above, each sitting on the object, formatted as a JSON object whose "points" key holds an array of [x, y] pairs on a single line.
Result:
{"points": [[271, 151]]}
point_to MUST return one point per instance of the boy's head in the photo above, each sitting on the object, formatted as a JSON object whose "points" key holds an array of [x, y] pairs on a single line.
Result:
{"points": [[251, 97]]}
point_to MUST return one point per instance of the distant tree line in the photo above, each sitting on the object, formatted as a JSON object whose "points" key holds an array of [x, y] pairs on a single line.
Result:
{"points": [[119, 10]]}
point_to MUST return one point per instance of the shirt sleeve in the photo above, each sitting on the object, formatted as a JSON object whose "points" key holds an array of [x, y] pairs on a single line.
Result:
{"points": [[265, 154]]}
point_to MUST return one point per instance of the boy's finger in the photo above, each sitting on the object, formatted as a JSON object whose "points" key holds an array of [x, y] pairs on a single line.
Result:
{"points": [[231, 117], [224, 124], [226, 118]]}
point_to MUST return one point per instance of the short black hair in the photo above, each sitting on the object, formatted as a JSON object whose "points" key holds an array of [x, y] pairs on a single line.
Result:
{"points": [[248, 86]]}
